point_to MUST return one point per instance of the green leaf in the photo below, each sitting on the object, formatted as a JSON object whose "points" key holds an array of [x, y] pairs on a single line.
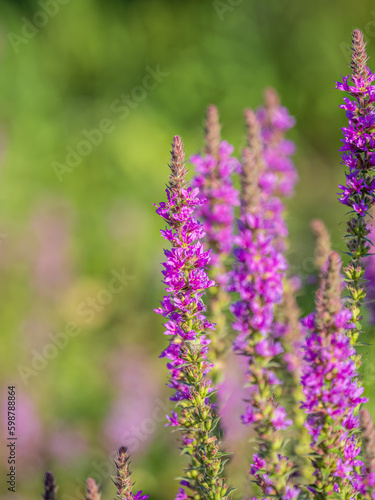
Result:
{"points": [[214, 424]]}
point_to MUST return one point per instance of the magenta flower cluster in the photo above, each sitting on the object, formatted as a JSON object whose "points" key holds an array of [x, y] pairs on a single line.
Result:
{"points": [[298, 373], [279, 177], [277, 181], [369, 275], [332, 394], [359, 141], [257, 277], [214, 180], [186, 280]]}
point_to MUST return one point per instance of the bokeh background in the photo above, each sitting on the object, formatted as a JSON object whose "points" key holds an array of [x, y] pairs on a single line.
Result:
{"points": [[65, 66]]}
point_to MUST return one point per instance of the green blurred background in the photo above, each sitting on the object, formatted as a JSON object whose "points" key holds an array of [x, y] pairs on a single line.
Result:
{"points": [[64, 68]]}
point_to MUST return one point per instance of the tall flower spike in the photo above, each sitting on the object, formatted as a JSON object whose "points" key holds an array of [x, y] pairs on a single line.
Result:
{"points": [[322, 243], [214, 179], [92, 490], [177, 178], [277, 179], [253, 135], [368, 434], [359, 190], [212, 130], [332, 395], [359, 56], [252, 164], [275, 120], [280, 175], [257, 278], [369, 273], [250, 193], [122, 479], [291, 334], [186, 281], [49, 487]]}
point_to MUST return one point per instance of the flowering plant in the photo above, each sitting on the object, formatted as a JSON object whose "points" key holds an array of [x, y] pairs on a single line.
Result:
{"points": [[225, 271]]}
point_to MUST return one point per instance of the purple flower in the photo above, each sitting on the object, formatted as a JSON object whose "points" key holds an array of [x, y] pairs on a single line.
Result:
{"points": [[173, 419], [359, 136], [369, 273], [139, 496], [358, 193], [361, 208], [279, 419], [291, 492], [181, 495], [258, 464], [257, 278], [214, 171], [122, 479], [213, 177], [330, 386], [186, 281]]}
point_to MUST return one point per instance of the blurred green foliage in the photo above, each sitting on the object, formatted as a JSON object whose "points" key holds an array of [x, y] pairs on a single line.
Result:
{"points": [[65, 77]]}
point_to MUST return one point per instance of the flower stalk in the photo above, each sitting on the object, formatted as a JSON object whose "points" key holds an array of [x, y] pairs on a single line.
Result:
{"points": [[332, 395], [49, 487], [213, 177], [186, 282], [92, 490], [122, 480], [257, 278], [359, 190]]}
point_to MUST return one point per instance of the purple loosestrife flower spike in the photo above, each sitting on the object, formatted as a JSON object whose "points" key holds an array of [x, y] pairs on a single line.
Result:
{"points": [[290, 332], [250, 193], [122, 479], [359, 60], [368, 434], [358, 157], [277, 179], [253, 135], [257, 278], [214, 179], [92, 490], [332, 395], [186, 281], [322, 243], [280, 175], [212, 131], [49, 487], [369, 273], [275, 120], [252, 165]]}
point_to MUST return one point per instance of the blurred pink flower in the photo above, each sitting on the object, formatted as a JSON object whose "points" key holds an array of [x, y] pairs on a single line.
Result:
{"points": [[230, 398], [66, 444], [50, 252], [137, 411]]}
